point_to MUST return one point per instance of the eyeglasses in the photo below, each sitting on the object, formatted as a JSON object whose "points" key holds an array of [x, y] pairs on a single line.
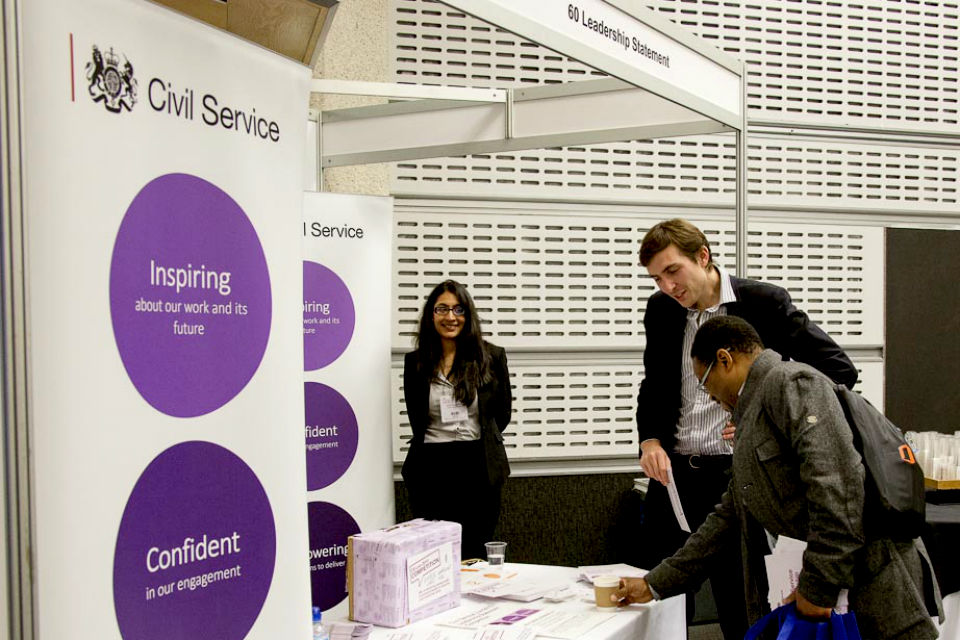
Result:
{"points": [[442, 310], [702, 382]]}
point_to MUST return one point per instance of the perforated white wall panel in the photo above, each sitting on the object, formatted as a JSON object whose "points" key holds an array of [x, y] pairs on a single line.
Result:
{"points": [[700, 167], [891, 62], [435, 44], [560, 410], [561, 282], [782, 173], [577, 411], [870, 384], [836, 62], [864, 64], [834, 273], [795, 173], [559, 286]]}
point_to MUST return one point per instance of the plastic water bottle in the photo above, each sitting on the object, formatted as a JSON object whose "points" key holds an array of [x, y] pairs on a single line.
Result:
{"points": [[319, 633]]}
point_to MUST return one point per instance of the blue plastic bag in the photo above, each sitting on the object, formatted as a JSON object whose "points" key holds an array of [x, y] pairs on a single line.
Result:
{"points": [[793, 627]]}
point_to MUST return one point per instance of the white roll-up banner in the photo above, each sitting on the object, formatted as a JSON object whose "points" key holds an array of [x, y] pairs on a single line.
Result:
{"points": [[346, 352], [164, 176]]}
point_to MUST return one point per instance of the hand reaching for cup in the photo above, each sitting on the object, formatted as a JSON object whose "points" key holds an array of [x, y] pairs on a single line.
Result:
{"points": [[632, 590]]}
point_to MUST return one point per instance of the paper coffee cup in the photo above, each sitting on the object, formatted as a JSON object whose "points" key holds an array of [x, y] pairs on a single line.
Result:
{"points": [[603, 588]]}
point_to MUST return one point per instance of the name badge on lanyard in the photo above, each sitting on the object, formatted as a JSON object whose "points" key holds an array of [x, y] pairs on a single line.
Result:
{"points": [[452, 411]]}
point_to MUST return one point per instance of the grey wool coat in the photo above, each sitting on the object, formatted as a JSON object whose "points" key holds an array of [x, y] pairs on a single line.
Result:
{"points": [[796, 473]]}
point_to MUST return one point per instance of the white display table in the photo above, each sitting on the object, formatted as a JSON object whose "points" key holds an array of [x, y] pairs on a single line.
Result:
{"points": [[664, 620]]}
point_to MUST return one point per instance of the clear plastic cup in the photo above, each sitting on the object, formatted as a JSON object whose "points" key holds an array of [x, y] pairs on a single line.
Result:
{"points": [[496, 555]]}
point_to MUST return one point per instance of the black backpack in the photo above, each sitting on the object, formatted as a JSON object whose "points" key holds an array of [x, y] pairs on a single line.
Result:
{"points": [[895, 504]]}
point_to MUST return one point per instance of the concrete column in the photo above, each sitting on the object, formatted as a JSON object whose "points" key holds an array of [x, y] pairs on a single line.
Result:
{"points": [[358, 47]]}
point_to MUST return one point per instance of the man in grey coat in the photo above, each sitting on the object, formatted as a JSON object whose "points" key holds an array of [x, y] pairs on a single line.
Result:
{"points": [[795, 473]]}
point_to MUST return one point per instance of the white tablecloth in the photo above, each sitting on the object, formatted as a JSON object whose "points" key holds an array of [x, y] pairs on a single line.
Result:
{"points": [[664, 620]]}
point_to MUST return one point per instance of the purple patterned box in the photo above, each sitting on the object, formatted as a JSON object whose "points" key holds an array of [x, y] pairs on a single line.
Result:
{"points": [[404, 573]]}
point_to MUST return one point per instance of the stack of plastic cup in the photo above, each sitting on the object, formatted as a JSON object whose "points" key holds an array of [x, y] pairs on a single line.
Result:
{"points": [[938, 454]]}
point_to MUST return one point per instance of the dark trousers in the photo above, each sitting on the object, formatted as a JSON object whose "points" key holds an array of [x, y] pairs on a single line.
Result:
{"points": [[701, 480], [452, 485]]}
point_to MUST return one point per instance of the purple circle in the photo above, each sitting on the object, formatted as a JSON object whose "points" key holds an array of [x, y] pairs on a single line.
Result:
{"points": [[186, 248], [164, 585], [330, 526], [330, 432], [328, 316]]}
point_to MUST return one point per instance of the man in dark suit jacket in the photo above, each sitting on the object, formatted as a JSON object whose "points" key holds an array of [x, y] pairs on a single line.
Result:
{"points": [[795, 473], [681, 430]]}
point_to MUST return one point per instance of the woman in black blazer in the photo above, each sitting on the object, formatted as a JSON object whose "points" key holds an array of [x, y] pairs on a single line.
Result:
{"points": [[457, 391]]}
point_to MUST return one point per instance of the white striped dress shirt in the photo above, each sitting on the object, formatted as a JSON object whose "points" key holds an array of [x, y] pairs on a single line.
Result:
{"points": [[699, 430]]}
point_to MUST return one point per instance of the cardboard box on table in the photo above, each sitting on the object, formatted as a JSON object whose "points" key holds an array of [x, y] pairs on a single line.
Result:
{"points": [[404, 573]]}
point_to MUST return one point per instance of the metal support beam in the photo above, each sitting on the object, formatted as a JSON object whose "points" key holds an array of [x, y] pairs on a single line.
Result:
{"points": [[320, 186], [17, 594], [673, 64], [876, 136], [587, 112], [394, 91], [508, 115], [740, 224]]}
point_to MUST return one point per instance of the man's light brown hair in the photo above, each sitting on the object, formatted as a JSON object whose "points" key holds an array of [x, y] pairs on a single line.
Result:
{"points": [[679, 232]]}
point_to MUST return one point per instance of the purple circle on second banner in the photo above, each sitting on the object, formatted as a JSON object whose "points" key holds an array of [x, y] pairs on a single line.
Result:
{"points": [[330, 526], [189, 296], [196, 548], [330, 432], [328, 316]]}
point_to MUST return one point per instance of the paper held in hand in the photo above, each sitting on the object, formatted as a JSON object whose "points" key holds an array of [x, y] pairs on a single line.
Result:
{"points": [[783, 572], [675, 502]]}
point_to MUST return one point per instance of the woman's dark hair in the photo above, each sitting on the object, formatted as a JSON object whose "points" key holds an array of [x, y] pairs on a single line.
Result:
{"points": [[724, 332], [471, 366]]}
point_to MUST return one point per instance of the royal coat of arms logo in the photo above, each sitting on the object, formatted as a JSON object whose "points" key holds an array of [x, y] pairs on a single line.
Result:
{"points": [[111, 83]]}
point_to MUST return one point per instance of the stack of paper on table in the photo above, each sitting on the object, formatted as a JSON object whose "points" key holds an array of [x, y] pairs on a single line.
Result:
{"points": [[505, 633], [418, 634], [404, 573], [521, 590], [588, 573], [512, 584], [549, 623], [349, 631]]}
